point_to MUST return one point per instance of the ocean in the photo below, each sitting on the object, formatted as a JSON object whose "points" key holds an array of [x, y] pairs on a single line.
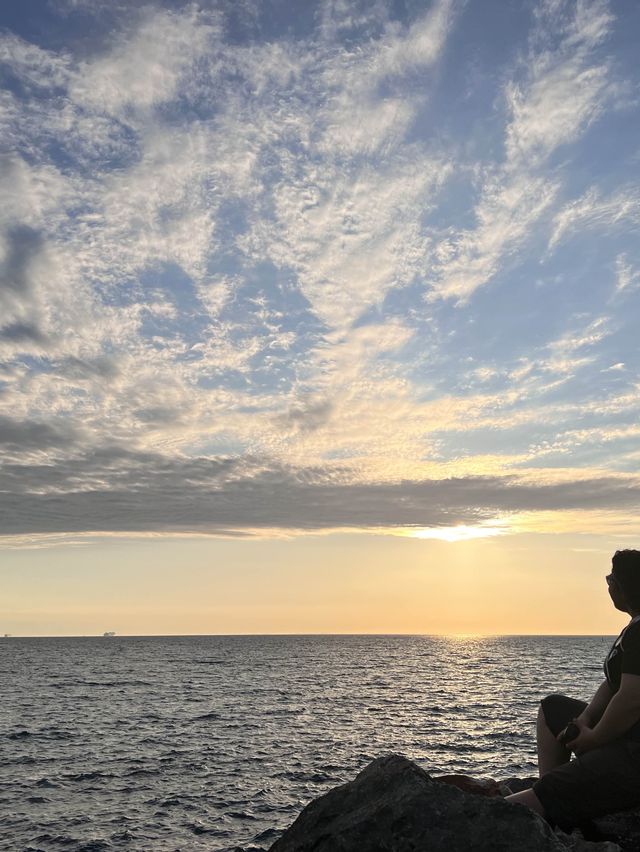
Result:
{"points": [[211, 742]]}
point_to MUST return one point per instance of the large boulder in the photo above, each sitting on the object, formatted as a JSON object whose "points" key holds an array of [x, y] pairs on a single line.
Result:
{"points": [[395, 806]]}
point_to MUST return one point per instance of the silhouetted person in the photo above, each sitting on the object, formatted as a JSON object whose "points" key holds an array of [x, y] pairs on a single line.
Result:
{"points": [[604, 776]]}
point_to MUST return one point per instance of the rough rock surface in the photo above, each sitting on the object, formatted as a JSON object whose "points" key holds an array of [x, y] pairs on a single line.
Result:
{"points": [[622, 828], [395, 806]]}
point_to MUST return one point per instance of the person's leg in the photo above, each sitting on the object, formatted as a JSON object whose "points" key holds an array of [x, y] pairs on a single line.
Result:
{"points": [[600, 781], [550, 752], [528, 798]]}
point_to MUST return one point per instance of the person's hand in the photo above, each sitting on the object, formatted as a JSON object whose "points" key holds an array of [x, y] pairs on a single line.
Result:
{"points": [[585, 740]]}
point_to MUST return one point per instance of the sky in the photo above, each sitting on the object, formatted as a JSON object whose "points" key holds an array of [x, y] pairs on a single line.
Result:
{"points": [[317, 317]]}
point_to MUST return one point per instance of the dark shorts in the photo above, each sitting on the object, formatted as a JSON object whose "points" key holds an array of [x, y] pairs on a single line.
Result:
{"points": [[598, 782]]}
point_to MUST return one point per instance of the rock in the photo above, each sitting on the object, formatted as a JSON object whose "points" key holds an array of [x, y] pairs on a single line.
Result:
{"points": [[576, 843], [478, 786], [517, 785], [623, 828], [395, 806]]}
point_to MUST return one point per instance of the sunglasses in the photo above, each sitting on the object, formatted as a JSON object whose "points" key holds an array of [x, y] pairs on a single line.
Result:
{"points": [[610, 579]]}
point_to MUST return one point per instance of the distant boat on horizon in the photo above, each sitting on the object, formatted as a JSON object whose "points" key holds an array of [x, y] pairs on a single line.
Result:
{"points": [[7, 635], [109, 633]]}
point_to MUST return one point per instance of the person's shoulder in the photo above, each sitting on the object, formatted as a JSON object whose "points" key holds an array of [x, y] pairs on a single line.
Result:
{"points": [[630, 636]]}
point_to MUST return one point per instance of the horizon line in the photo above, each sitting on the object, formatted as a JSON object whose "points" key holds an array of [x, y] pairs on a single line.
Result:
{"points": [[461, 635]]}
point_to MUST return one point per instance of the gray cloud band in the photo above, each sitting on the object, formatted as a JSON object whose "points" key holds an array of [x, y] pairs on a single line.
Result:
{"points": [[115, 490]]}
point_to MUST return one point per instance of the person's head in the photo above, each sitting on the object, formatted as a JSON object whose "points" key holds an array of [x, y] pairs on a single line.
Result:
{"points": [[624, 580]]}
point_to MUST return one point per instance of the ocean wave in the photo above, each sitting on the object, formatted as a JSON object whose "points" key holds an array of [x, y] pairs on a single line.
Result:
{"points": [[284, 723], [133, 773], [56, 839], [303, 775], [200, 828], [46, 782], [95, 775], [110, 684]]}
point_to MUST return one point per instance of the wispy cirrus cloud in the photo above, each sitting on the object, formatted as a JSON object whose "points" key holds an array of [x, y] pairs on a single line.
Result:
{"points": [[593, 212], [218, 236], [562, 86], [628, 276]]}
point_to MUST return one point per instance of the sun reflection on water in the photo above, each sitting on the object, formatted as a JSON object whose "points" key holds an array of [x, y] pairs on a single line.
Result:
{"points": [[465, 637]]}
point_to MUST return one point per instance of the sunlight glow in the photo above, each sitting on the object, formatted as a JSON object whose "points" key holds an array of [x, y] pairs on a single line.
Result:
{"points": [[464, 637], [461, 532]]}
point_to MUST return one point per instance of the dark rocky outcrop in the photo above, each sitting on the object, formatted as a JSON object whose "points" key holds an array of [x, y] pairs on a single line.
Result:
{"points": [[623, 828], [395, 806]]}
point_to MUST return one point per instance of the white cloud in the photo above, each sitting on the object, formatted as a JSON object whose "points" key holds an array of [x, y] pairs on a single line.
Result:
{"points": [[508, 210], [37, 67], [362, 126], [346, 222], [628, 277], [214, 291], [562, 91], [145, 69], [572, 342], [421, 46], [619, 210], [36, 195], [565, 89], [352, 237], [158, 211], [555, 108]]}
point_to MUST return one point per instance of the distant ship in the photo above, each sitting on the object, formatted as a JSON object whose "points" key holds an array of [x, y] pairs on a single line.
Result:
{"points": [[109, 633], [6, 635]]}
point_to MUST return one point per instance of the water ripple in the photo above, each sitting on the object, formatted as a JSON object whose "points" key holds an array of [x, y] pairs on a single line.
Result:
{"points": [[115, 755]]}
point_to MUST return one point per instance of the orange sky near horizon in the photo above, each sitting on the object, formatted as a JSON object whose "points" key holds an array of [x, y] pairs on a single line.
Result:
{"points": [[340, 583]]}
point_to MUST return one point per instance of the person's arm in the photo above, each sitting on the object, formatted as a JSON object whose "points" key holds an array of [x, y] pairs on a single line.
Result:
{"points": [[622, 711], [592, 714]]}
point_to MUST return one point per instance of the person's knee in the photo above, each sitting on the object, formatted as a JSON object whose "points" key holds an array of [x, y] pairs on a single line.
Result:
{"points": [[552, 698], [528, 798], [549, 701], [546, 708]]}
